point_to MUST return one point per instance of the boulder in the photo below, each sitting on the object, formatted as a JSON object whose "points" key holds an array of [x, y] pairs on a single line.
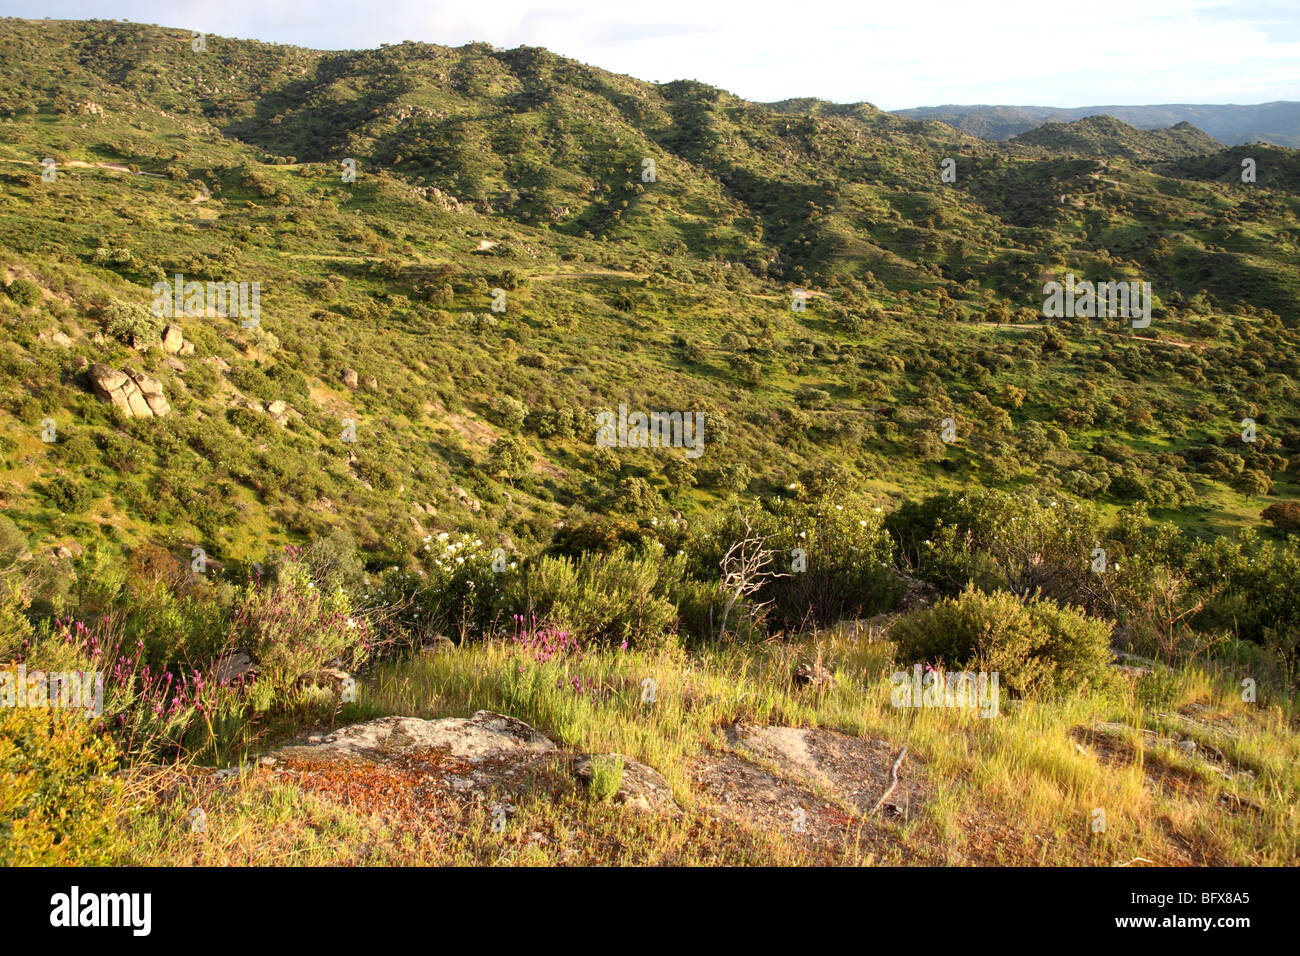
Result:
{"points": [[478, 739], [151, 390], [136, 394], [57, 337], [350, 377], [466, 500], [279, 411], [172, 340], [230, 667]]}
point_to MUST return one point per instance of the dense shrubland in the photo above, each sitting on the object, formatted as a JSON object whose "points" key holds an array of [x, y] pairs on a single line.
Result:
{"points": [[1014, 585], [518, 170]]}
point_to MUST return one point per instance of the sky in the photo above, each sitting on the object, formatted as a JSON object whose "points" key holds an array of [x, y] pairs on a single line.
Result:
{"points": [[893, 54]]}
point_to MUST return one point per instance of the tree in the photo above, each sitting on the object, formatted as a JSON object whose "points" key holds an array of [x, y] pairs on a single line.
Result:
{"points": [[1253, 483], [509, 456], [1284, 515], [680, 474]]}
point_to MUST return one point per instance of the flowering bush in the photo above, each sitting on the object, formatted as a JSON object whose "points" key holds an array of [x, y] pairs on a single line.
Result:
{"points": [[150, 713], [452, 590], [847, 564]]}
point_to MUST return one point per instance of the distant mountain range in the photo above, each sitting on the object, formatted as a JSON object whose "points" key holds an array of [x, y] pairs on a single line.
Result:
{"points": [[1277, 123]]}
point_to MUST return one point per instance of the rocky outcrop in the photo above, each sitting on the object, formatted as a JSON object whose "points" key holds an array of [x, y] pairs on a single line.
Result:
{"points": [[466, 500], [136, 394], [280, 411], [474, 757]]}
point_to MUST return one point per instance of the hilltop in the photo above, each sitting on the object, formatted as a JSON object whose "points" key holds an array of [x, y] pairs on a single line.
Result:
{"points": [[1277, 123]]}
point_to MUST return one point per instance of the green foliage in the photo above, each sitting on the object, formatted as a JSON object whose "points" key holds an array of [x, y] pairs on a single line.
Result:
{"points": [[59, 806], [607, 598], [69, 495], [507, 412], [130, 321], [24, 291], [606, 777], [1038, 648], [293, 629], [1026, 544], [452, 591]]}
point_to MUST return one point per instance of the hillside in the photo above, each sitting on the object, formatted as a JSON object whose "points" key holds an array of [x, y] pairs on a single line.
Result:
{"points": [[1105, 136], [317, 374], [1276, 123]]}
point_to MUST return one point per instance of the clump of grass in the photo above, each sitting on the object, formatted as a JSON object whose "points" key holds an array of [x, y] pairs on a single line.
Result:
{"points": [[606, 777]]}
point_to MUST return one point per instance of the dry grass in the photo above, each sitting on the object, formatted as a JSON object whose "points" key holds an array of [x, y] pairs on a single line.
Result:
{"points": [[1021, 788]]}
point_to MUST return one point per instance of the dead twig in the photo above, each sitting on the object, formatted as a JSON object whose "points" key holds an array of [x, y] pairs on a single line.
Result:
{"points": [[893, 781]]}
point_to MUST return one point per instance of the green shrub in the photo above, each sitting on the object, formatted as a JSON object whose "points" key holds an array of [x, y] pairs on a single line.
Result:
{"points": [[606, 777], [603, 598], [452, 591], [127, 321], [843, 550], [13, 543], [59, 806], [507, 412], [1023, 543], [69, 496], [1036, 648], [24, 291], [293, 629]]}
